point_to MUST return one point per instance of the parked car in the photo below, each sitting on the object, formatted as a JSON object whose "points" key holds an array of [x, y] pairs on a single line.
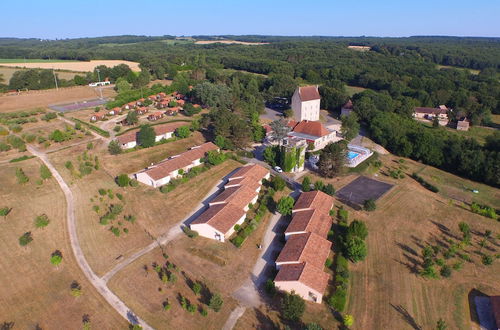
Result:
{"points": [[278, 169]]}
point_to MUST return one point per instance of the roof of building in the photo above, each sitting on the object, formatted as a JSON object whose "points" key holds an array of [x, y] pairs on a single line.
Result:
{"points": [[314, 200], [313, 128], [168, 127], [304, 273], [348, 105], [156, 114], [427, 110], [463, 124], [99, 114], [313, 221], [167, 166], [307, 247], [309, 93], [128, 137], [495, 308], [253, 171], [221, 216], [240, 196]]}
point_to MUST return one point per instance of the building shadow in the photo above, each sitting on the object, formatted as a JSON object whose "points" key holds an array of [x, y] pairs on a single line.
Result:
{"points": [[407, 316]]}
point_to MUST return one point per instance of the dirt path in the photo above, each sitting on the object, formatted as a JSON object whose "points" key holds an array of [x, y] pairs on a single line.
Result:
{"points": [[98, 283]]}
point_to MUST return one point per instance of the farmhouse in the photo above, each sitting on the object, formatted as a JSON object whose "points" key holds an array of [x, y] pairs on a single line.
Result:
{"points": [[347, 108], [98, 116], [155, 116], [441, 113], [168, 169], [315, 133], [229, 208], [306, 103]]}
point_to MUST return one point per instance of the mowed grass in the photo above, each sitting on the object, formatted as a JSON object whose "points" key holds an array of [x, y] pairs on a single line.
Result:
{"points": [[393, 294], [222, 267], [351, 90], [156, 213], [480, 133], [33, 290]]}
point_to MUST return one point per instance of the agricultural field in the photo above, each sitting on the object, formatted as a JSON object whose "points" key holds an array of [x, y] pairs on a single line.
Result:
{"points": [[43, 98], [229, 42], [28, 269], [77, 66], [7, 73]]}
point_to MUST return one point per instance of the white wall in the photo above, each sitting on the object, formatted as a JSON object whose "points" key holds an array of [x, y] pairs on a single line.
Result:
{"points": [[300, 289], [308, 110], [207, 231], [129, 145]]}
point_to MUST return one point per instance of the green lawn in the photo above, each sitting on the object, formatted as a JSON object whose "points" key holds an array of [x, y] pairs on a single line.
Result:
{"points": [[472, 71], [351, 90], [478, 132], [29, 60]]}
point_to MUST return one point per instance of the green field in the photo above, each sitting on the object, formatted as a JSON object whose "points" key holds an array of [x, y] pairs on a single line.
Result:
{"points": [[351, 90], [30, 60], [472, 71]]}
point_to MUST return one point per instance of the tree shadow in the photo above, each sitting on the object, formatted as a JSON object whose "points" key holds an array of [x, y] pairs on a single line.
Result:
{"points": [[407, 317], [406, 248], [264, 321], [472, 304]]}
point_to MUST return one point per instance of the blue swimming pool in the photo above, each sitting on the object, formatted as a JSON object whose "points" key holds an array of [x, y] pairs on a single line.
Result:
{"points": [[352, 155]]}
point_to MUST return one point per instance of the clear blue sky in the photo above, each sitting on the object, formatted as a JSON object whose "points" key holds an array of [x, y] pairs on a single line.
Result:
{"points": [[71, 18]]}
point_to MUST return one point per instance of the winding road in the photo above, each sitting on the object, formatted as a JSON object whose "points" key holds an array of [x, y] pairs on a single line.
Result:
{"points": [[97, 282]]}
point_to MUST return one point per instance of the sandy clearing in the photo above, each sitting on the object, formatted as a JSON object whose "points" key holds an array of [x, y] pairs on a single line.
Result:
{"points": [[207, 42], [78, 66]]}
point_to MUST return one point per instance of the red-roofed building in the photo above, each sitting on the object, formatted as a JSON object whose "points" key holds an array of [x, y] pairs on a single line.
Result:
{"points": [[441, 113], [98, 116], [306, 103], [315, 133], [141, 110], [155, 116], [304, 279]]}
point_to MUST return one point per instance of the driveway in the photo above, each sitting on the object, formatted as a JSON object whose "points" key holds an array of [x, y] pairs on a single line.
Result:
{"points": [[271, 114]]}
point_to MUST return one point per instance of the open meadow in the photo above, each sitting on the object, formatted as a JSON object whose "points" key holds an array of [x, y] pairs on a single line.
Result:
{"points": [[78, 66], [8, 72], [34, 291]]}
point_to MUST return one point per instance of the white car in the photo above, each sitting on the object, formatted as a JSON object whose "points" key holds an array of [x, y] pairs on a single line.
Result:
{"points": [[278, 169]]}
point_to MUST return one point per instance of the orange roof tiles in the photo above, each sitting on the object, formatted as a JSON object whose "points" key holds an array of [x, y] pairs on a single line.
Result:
{"points": [[305, 273], [307, 247], [314, 200], [314, 128], [312, 221], [221, 216], [309, 93]]}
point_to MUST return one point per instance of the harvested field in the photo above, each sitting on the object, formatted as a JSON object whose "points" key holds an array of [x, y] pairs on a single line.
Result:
{"points": [[7, 73], [229, 42], [42, 98], [77, 66], [34, 291]]}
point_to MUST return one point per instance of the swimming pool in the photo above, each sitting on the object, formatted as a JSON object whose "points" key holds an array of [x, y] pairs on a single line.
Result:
{"points": [[351, 155]]}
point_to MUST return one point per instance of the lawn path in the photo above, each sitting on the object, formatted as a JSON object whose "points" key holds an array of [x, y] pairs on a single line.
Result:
{"points": [[98, 283]]}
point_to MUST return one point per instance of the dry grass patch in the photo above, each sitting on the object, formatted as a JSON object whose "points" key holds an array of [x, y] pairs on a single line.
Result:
{"points": [[79, 66], [35, 291]]}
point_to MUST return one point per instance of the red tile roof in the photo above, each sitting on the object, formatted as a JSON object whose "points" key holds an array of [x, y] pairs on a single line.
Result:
{"points": [[307, 247], [304, 273], [222, 217], [127, 137], [254, 171], [313, 128], [313, 221], [164, 168], [240, 196], [168, 127], [309, 93], [314, 200]]}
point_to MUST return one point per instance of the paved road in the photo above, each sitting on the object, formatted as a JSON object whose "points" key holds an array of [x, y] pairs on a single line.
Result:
{"points": [[98, 283]]}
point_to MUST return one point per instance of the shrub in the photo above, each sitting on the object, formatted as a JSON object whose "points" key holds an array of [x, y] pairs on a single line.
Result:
{"points": [[76, 289], [292, 307], [278, 183], [203, 312], [42, 221], [123, 180], [190, 233], [270, 287], [45, 172], [329, 189], [445, 271], [356, 249], [115, 231], [216, 302], [328, 263], [25, 239], [114, 148], [196, 288], [306, 184], [338, 299], [130, 218], [369, 205], [487, 260], [102, 191], [343, 215], [4, 211], [238, 240], [56, 258], [424, 183], [69, 165], [4, 147], [117, 129], [182, 132], [134, 183], [358, 228], [21, 177], [285, 205], [348, 320]]}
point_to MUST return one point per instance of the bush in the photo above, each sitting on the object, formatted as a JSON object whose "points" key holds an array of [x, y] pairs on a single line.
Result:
{"points": [[25, 239], [115, 231], [56, 258], [424, 183], [102, 191], [484, 210], [285, 205], [328, 263], [487, 260], [338, 299], [42, 221], [182, 132], [343, 215], [190, 233], [278, 183], [292, 307], [114, 148], [45, 172], [123, 180], [445, 271], [369, 205], [134, 183], [306, 184], [216, 302], [238, 240], [21, 177], [270, 287]]}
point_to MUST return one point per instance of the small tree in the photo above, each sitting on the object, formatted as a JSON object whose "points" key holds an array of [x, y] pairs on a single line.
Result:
{"points": [[132, 118], [146, 136], [76, 289], [369, 205], [56, 258], [357, 228], [285, 205], [270, 155], [114, 148], [292, 307], [329, 189], [122, 180], [21, 177], [215, 157], [348, 320], [441, 325], [45, 172], [445, 271], [220, 141], [196, 288], [306, 184], [356, 249], [4, 211], [216, 302], [278, 183], [182, 132], [25, 239], [42, 221], [86, 325]]}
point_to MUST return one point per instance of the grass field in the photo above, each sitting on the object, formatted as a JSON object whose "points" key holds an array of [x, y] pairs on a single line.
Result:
{"points": [[79, 66], [9, 72], [472, 71], [34, 291], [478, 132], [351, 90]]}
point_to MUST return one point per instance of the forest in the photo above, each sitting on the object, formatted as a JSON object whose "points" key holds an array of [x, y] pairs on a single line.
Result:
{"points": [[397, 74]]}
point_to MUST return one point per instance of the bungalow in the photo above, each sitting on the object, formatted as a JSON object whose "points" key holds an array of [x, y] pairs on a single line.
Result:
{"points": [[180, 102], [155, 116], [98, 116], [304, 279], [347, 108], [315, 133], [166, 131], [129, 106], [172, 111], [161, 96], [140, 101], [162, 104], [141, 110], [441, 113], [115, 111], [127, 140], [168, 169], [152, 98], [229, 208]]}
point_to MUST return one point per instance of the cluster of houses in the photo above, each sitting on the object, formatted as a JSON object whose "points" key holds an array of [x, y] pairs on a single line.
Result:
{"points": [[166, 104], [163, 131], [301, 262], [230, 207], [163, 172]]}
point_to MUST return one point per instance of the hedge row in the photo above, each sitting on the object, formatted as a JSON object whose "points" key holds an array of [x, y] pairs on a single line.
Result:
{"points": [[424, 183], [96, 129], [484, 210], [338, 299]]}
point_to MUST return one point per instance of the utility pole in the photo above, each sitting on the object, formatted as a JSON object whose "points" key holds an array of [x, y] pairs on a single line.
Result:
{"points": [[55, 79], [99, 77]]}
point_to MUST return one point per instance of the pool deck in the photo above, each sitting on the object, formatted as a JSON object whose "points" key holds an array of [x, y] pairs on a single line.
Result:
{"points": [[363, 154]]}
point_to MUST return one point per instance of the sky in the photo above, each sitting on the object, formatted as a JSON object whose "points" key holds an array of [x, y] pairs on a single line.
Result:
{"points": [[51, 19]]}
